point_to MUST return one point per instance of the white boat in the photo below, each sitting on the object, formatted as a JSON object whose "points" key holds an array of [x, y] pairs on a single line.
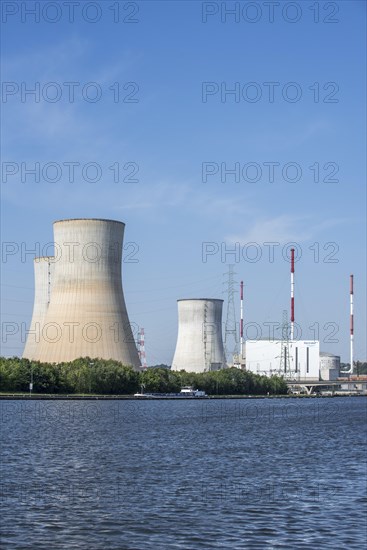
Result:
{"points": [[187, 392], [141, 394]]}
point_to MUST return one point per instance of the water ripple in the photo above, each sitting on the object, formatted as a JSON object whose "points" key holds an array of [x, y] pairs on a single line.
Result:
{"points": [[265, 474]]}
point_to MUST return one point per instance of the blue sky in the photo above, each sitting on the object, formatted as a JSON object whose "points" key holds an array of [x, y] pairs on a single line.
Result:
{"points": [[169, 132]]}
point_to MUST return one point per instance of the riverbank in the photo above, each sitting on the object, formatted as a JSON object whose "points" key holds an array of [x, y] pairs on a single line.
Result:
{"points": [[60, 397]]}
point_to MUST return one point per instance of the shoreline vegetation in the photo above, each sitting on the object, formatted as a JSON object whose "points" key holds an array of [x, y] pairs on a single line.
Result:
{"points": [[87, 378], [74, 397]]}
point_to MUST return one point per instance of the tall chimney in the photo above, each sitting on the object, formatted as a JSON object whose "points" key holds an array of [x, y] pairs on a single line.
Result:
{"points": [[292, 293], [351, 325], [241, 324]]}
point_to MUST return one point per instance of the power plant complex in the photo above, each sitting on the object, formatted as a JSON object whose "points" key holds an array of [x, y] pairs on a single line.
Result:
{"points": [[80, 311]]}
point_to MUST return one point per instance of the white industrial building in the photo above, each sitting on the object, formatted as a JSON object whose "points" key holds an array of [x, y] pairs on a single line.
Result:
{"points": [[199, 345], [293, 359]]}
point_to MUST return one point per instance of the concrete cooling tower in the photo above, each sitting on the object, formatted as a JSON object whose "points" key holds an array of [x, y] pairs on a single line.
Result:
{"points": [[43, 275], [87, 316], [199, 342]]}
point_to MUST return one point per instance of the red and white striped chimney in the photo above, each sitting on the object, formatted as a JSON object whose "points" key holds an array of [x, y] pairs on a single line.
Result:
{"points": [[292, 293], [351, 325], [241, 322]]}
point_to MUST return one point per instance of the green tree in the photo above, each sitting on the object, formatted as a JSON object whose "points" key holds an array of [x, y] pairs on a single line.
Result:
{"points": [[160, 380], [99, 376]]}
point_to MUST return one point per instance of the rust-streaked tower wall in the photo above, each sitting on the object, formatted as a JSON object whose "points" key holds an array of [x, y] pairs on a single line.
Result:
{"points": [[43, 275], [199, 342], [87, 316]]}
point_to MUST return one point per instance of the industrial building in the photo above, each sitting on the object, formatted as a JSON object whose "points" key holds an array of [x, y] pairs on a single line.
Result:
{"points": [[293, 359], [199, 345], [79, 303]]}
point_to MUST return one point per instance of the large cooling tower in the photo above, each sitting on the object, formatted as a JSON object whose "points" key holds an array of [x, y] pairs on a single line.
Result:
{"points": [[199, 343], [87, 316], [43, 271]]}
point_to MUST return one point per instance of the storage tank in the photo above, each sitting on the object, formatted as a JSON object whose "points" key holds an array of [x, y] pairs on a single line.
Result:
{"points": [[329, 366], [199, 345], [87, 316], [43, 269]]}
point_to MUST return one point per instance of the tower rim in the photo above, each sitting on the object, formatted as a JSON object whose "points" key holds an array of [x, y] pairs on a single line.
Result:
{"points": [[87, 220], [200, 300]]}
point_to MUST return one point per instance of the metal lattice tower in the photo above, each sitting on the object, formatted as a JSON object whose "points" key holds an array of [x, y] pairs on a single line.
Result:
{"points": [[285, 368], [231, 339], [141, 349], [284, 350]]}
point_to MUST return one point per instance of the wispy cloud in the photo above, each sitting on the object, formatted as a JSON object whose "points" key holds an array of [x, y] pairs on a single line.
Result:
{"points": [[284, 229], [290, 134], [63, 122]]}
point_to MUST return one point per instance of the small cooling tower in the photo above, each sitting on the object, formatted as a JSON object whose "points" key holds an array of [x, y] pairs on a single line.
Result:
{"points": [[199, 342], [43, 275]]}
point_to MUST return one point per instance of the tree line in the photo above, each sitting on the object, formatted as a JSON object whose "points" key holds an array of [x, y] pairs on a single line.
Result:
{"points": [[359, 367], [109, 377]]}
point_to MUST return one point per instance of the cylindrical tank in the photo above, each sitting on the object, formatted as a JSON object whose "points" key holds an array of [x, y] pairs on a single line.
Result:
{"points": [[43, 271], [329, 366], [87, 314], [199, 342]]}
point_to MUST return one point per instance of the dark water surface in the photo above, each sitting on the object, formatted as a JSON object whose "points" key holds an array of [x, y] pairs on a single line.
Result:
{"points": [[262, 474]]}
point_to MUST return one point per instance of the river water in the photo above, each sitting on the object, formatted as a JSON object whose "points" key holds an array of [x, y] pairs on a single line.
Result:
{"points": [[262, 474]]}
